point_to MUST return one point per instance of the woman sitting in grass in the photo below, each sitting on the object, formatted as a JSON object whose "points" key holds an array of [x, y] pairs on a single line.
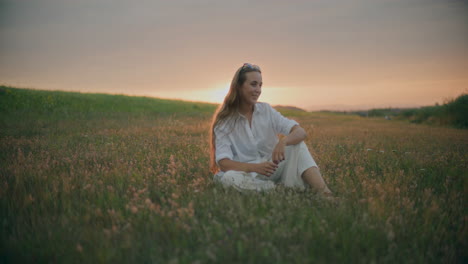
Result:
{"points": [[246, 151]]}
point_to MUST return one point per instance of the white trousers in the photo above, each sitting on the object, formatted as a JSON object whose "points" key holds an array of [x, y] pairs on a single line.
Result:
{"points": [[289, 172]]}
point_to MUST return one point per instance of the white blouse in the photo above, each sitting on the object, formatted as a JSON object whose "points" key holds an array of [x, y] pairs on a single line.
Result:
{"points": [[237, 141]]}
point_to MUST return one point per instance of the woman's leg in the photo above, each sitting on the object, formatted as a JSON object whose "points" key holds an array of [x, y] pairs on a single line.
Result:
{"points": [[301, 170], [313, 178], [243, 181]]}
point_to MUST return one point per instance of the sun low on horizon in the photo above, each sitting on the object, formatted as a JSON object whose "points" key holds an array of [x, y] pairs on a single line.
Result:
{"points": [[211, 95], [216, 95]]}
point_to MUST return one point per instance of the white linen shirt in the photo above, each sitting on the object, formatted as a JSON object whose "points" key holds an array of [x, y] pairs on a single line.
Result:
{"points": [[237, 141]]}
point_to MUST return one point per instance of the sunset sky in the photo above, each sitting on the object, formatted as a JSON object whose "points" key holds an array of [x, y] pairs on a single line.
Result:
{"points": [[316, 54]]}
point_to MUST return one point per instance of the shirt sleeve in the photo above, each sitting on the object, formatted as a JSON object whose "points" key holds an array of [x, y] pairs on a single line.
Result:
{"points": [[223, 145], [281, 124]]}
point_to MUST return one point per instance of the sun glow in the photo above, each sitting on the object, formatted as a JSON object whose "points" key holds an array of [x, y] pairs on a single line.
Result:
{"points": [[271, 95], [214, 95], [279, 96], [218, 94]]}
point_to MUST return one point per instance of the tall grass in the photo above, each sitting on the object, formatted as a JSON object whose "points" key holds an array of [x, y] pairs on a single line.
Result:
{"points": [[99, 178]]}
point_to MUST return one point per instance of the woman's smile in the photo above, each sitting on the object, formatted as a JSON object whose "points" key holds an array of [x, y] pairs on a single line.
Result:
{"points": [[252, 88]]}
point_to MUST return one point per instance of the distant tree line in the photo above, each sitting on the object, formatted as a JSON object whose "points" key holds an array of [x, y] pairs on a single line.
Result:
{"points": [[454, 113]]}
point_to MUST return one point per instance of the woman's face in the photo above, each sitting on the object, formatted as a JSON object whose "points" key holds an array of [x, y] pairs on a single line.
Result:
{"points": [[252, 88]]}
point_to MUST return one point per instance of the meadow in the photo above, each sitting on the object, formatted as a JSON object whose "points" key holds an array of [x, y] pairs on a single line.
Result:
{"points": [[92, 178]]}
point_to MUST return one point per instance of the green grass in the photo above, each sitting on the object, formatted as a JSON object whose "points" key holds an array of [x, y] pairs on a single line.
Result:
{"points": [[88, 178]]}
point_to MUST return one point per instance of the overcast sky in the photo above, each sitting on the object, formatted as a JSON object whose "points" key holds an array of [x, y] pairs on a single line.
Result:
{"points": [[322, 54]]}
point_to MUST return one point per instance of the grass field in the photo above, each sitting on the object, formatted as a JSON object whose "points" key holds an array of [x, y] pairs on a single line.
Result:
{"points": [[89, 178]]}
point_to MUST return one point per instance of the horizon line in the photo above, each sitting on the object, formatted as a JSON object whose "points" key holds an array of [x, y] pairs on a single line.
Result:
{"points": [[323, 108]]}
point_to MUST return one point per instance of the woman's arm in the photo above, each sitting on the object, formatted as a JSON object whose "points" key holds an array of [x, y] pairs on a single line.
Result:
{"points": [[264, 168], [296, 136]]}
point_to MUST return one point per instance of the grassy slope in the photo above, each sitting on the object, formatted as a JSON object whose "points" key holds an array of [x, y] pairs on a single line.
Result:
{"points": [[99, 178], [30, 110]]}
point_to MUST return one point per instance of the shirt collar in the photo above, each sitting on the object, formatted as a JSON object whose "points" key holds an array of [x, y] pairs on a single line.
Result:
{"points": [[254, 111]]}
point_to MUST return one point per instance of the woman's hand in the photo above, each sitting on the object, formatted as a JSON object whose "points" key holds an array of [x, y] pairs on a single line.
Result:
{"points": [[278, 154], [265, 168]]}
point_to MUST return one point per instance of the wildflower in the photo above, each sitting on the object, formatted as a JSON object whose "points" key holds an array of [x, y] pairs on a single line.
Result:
{"points": [[98, 212], [79, 248], [106, 231], [390, 235]]}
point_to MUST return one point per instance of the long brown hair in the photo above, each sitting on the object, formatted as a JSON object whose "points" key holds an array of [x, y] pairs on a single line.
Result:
{"points": [[228, 107]]}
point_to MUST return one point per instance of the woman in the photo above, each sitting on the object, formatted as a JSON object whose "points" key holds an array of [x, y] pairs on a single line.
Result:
{"points": [[245, 150]]}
